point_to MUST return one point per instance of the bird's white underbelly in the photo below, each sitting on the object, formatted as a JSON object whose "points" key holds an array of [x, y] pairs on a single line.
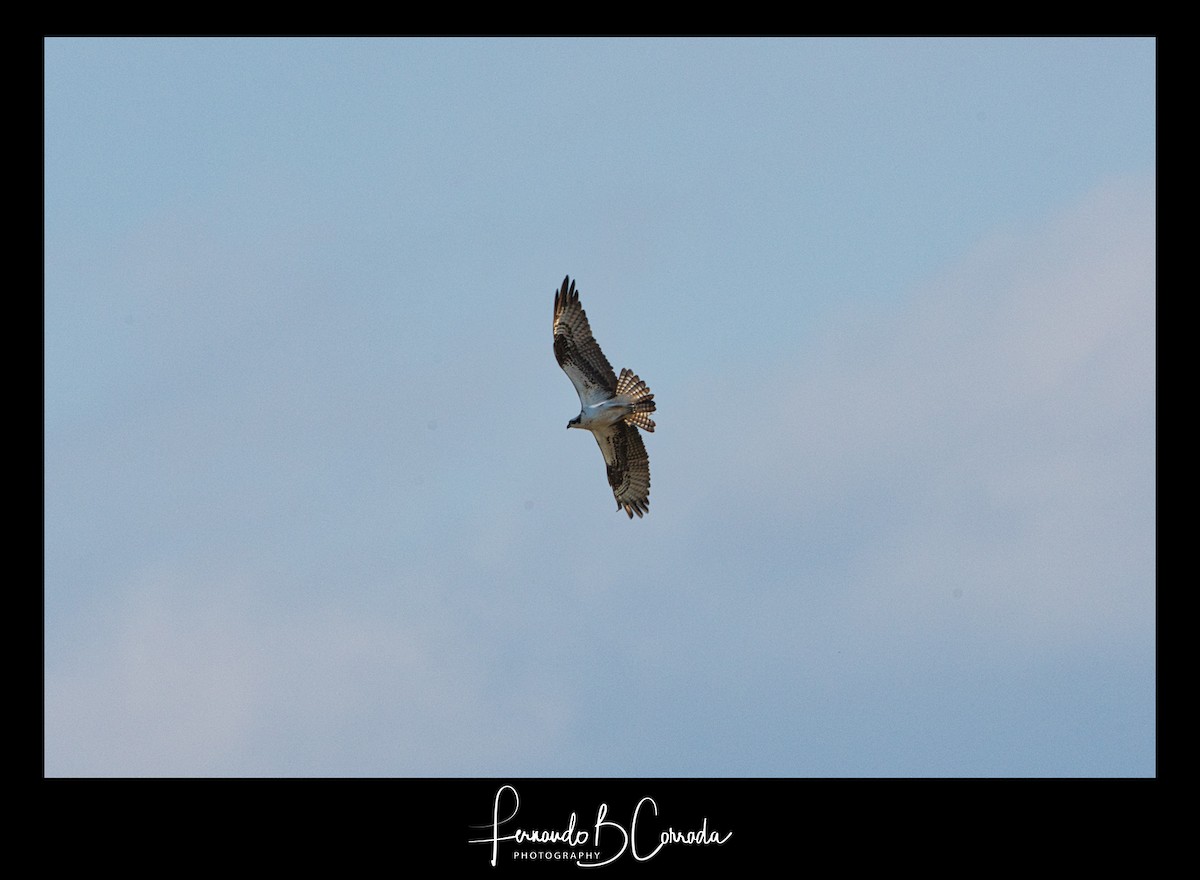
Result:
{"points": [[603, 414]]}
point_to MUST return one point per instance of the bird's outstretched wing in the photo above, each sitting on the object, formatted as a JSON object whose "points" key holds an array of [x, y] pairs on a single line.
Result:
{"points": [[628, 467], [576, 350]]}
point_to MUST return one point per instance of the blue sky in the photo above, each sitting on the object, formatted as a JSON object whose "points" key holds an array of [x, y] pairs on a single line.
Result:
{"points": [[310, 507]]}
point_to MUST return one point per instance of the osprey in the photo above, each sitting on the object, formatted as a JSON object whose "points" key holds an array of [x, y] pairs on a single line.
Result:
{"points": [[613, 408]]}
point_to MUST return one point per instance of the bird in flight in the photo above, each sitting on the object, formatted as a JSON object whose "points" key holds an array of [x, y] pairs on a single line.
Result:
{"points": [[613, 407]]}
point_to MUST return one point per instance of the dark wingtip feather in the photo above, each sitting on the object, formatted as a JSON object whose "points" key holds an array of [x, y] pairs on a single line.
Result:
{"points": [[640, 507], [562, 297]]}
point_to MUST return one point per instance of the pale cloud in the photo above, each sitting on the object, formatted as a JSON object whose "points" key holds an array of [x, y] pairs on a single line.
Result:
{"points": [[994, 433], [195, 676]]}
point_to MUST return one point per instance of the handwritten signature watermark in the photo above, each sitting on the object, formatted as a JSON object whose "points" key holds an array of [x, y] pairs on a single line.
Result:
{"points": [[594, 846]]}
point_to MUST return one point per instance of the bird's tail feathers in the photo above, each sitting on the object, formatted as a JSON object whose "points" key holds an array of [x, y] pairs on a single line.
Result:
{"points": [[638, 394]]}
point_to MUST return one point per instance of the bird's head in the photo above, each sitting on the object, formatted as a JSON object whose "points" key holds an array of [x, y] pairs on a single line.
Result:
{"points": [[574, 423]]}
